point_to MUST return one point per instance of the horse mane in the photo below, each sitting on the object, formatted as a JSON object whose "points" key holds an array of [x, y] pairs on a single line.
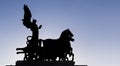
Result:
{"points": [[65, 33]]}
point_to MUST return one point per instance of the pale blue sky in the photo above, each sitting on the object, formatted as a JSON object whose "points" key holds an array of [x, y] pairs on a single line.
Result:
{"points": [[94, 23]]}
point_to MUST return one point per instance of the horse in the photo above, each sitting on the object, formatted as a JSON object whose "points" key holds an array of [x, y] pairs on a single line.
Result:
{"points": [[53, 48]]}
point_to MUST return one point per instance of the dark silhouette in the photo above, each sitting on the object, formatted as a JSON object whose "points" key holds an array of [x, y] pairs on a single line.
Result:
{"points": [[45, 50], [53, 48], [32, 44]]}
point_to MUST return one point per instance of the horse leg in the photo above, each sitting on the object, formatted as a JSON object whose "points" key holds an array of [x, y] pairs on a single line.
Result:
{"points": [[72, 57], [24, 57]]}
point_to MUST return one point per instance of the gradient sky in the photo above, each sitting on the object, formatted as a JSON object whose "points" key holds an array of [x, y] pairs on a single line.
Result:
{"points": [[94, 23]]}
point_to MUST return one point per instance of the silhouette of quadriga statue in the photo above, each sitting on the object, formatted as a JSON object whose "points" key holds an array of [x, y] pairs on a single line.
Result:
{"points": [[48, 49]]}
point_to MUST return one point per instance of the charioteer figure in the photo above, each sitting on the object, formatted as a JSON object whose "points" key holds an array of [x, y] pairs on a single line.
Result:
{"points": [[32, 41]]}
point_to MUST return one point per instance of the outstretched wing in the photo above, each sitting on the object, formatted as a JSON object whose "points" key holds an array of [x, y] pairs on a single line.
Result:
{"points": [[27, 13], [27, 17]]}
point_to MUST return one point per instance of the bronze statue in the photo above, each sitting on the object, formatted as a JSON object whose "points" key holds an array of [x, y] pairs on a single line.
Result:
{"points": [[32, 44], [51, 49]]}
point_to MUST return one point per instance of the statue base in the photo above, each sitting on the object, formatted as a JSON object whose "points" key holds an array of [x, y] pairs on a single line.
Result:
{"points": [[45, 63]]}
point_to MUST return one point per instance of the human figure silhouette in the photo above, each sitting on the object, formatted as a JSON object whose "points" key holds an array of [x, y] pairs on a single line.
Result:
{"points": [[35, 31], [33, 42]]}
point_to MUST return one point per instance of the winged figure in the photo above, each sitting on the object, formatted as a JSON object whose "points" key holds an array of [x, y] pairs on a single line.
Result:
{"points": [[27, 17]]}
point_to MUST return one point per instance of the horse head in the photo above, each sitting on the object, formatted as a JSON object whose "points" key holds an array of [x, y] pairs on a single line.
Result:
{"points": [[67, 35]]}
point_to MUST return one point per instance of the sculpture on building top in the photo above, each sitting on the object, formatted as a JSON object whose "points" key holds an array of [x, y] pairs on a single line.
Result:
{"points": [[48, 49]]}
